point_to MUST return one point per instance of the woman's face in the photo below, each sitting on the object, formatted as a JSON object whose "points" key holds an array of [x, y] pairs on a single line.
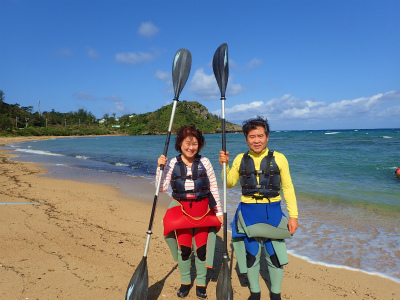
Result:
{"points": [[190, 147]]}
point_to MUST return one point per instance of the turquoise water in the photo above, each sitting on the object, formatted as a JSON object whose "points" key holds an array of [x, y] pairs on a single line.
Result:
{"points": [[348, 196]]}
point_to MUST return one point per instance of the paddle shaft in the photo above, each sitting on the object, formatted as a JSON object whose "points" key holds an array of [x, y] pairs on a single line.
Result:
{"points": [[224, 286], [225, 251], [221, 71], [153, 210]]}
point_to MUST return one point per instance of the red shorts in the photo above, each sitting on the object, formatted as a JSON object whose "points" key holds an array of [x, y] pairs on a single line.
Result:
{"points": [[185, 236], [190, 215]]}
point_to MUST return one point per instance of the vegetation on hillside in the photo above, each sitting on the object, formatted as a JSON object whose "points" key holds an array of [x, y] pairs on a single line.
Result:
{"points": [[187, 113], [17, 120]]}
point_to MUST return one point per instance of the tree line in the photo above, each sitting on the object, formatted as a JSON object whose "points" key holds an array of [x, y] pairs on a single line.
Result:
{"points": [[22, 120], [17, 120]]}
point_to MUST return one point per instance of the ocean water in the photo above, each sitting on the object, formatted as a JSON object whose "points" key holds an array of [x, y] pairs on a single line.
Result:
{"points": [[347, 193]]}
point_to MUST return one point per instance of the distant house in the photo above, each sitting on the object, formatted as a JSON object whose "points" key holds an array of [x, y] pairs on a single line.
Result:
{"points": [[116, 126], [102, 121]]}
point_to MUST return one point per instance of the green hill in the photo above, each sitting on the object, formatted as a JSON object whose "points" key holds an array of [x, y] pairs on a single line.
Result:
{"points": [[22, 121], [187, 113]]}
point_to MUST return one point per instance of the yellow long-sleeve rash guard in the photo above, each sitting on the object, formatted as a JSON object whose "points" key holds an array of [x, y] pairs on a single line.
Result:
{"points": [[286, 181]]}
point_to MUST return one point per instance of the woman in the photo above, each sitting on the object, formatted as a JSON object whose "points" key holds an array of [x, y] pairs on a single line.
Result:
{"points": [[195, 212]]}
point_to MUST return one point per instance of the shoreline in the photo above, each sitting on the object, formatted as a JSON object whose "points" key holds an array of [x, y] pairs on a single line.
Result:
{"points": [[337, 266], [78, 220]]}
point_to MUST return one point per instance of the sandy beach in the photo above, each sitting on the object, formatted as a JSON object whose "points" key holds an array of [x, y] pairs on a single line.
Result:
{"points": [[63, 239]]}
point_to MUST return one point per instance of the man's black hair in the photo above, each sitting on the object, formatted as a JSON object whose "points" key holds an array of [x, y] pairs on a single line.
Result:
{"points": [[252, 124]]}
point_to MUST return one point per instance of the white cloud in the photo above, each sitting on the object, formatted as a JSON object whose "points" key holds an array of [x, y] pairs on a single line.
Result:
{"points": [[119, 105], [84, 96], [390, 112], [148, 29], [92, 53], [245, 107], [132, 58], [205, 85], [234, 89], [242, 111], [254, 63], [289, 108], [163, 76], [113, 98], [232, 64], [64, 52]]}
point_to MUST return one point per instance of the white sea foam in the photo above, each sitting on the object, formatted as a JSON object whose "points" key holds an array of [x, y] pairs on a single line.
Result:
{"points": [[82, 157], [121, 165], [334, 132], [41, 152], [387, 137]]}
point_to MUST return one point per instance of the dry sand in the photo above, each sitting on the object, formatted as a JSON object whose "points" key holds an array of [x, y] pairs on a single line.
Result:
{"points": [[83, 241]]}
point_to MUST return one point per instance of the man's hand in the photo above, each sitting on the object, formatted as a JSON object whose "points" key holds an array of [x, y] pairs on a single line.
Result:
{"points": [[293, 225], [223, 157]]}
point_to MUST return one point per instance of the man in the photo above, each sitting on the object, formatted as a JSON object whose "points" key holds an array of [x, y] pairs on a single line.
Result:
{"points": [[259, 221]]}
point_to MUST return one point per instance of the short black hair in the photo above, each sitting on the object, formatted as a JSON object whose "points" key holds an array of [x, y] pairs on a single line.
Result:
{"points": [[253, 123], [186, 131]]}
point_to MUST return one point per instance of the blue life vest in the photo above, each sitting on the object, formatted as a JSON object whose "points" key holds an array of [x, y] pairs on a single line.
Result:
{"points": [[199, 176], [268, 185]]}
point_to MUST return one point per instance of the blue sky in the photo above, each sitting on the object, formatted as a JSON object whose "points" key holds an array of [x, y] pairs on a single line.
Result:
{"points": [[303, 64]]}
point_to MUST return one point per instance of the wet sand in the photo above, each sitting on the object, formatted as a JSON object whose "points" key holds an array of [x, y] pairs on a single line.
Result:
{"points": [[74, 240]]}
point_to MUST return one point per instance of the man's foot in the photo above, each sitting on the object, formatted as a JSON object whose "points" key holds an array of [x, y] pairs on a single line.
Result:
{"points": [[201, 292], [275, 296], [183, 290], [255, 296]]}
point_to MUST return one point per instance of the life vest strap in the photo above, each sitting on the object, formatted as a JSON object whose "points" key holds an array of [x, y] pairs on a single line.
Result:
{"points": [[268, 169], [192, 199], [261, 197], [182, 166]]}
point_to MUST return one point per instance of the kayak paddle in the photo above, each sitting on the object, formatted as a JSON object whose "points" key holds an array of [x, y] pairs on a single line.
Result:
{"points": [[221, 72], [139, 284]]}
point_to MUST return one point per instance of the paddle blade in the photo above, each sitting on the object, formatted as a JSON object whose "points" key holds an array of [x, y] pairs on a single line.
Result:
{"points": [[221, 67], [180, 70], [224, 284], [139, 285]]}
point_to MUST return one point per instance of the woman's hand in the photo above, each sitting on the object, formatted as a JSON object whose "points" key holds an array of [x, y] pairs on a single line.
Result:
{"points": [[223, 157], [221, 219], [162, 160]]}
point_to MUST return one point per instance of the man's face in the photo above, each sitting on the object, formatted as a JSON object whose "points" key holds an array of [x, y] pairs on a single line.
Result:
{"points": [[257, 140]]}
